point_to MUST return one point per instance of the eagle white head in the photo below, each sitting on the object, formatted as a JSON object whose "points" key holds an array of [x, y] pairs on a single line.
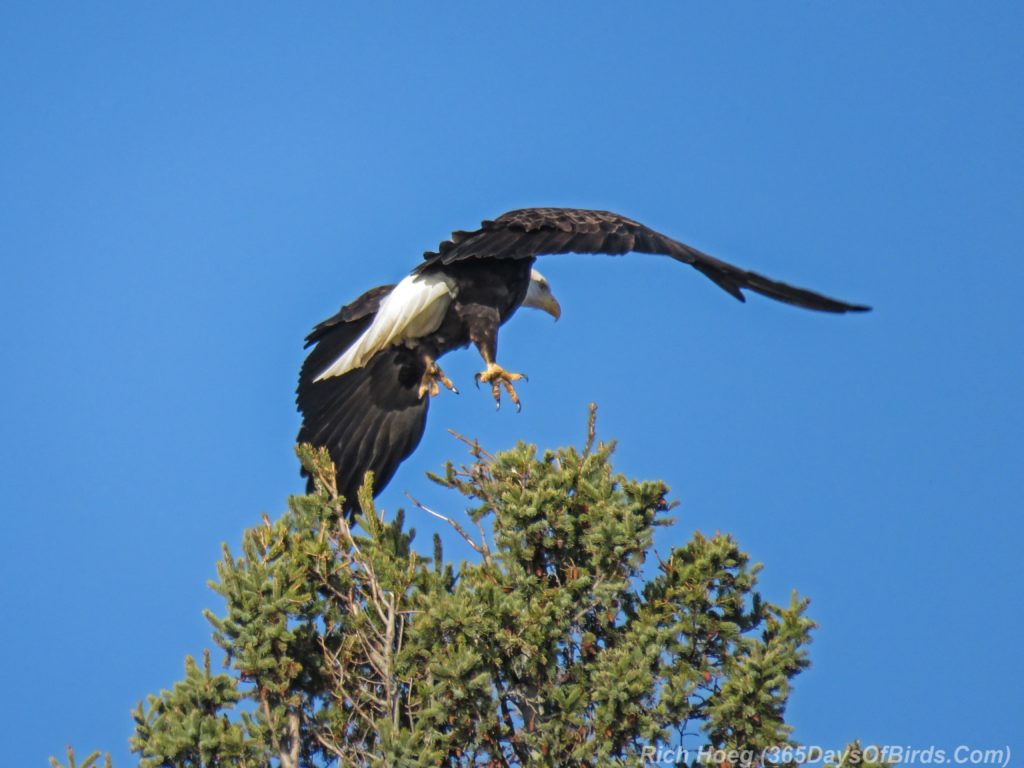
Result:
{"points": [[539, 295]]}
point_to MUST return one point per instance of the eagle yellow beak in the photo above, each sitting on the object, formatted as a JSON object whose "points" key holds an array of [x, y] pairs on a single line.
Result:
{"points": [[552, 307], [539, 295]]}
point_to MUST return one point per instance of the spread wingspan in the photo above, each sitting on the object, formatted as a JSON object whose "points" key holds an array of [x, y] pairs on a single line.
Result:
{"points": [[365, 387], [533, 232]]}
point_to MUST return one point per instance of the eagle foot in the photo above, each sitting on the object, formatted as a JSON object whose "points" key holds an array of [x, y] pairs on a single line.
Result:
{"points": [[432, 377], [498, 377]]}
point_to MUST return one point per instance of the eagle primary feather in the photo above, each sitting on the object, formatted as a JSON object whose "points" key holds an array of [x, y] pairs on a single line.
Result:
{"points": [[370, 418], [363, 390]]}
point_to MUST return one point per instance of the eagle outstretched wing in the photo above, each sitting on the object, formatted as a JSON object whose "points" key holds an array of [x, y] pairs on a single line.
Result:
{"points": [[532, 232], [370, 418]]}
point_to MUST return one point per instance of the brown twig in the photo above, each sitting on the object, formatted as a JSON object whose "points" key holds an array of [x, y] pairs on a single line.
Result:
{"points": [[591, 428], [480, 549], [474, 446]]}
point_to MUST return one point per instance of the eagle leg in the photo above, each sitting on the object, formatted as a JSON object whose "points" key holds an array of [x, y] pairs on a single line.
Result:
{"points": [[498, 377], [432, 374]]}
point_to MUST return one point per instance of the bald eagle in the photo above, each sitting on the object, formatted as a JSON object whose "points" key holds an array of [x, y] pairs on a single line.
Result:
{"points": [[365, 387]]}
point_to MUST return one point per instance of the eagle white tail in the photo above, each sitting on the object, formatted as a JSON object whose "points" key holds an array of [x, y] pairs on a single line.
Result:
{"points": [[414, 308]]}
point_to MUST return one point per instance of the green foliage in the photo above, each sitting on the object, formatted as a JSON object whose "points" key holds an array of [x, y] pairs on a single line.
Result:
{"points": [[559, 644], [90, 762], [189, 724]]}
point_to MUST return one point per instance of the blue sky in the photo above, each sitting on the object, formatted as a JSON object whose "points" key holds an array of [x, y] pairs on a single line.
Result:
{"points": [[187, 188]]}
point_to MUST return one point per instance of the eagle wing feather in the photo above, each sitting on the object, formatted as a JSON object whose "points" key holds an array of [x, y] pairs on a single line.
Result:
{"points": [[370, 418], [531, 232]]}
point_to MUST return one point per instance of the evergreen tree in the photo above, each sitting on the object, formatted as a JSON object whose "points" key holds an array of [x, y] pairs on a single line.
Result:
{"points": [[349, 647]]}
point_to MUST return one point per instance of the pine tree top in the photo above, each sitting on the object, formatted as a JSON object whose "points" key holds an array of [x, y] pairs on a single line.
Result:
{"points": [[347, 645]]}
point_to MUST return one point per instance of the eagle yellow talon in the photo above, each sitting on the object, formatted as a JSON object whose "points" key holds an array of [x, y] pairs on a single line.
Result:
{"points": [[498, 377], [432, 375]]}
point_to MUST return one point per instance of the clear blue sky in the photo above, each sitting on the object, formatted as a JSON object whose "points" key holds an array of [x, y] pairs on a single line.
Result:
{"points": [[187, 188]]}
